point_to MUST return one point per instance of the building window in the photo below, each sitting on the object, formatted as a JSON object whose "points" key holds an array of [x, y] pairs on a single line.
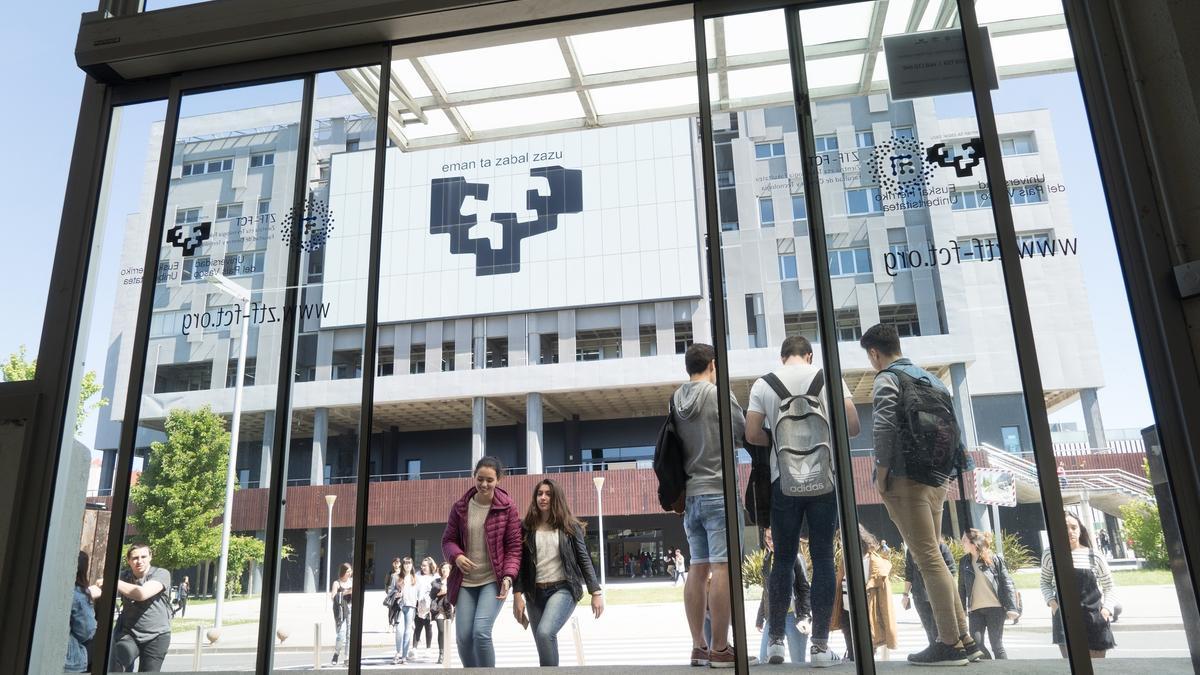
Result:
{"points": [[207, 166], [597, 345], [416, 360], [244, 263], [766, 212], [262, 159], [1011, 437], [496, 355], [347, 364], [549, 348], [1017, 144], [247, 377], [170, 378], [725, 178], [847, 262], [197, 268], [683, 336], [225, 211], [864, 139], [903, 317], [727, 206], [828, 143], [756, 321], [1034, 193], [648, 339], [316, 266], [352, 144], [900, 254], [447, 356], [863, 201], [799, 208], [184, 216], [768, 150], [412, 469], [386, 365], [903, 133], [803, 324], [849, 328], [167, 324], [264, 207], [787, 267]]}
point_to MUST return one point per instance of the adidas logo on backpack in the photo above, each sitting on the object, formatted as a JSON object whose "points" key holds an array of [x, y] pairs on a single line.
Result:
{"points": [[801, 436]]}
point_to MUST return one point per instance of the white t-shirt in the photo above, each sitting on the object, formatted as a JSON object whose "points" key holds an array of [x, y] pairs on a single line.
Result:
{"points": [[763, 400]]}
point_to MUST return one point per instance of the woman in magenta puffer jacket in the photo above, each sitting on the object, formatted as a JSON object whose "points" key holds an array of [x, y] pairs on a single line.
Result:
{"points": [[483, 540]]}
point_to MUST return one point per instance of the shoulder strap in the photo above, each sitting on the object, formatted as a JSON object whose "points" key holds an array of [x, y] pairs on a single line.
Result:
{"points": [[818, 381], [776, 384]]}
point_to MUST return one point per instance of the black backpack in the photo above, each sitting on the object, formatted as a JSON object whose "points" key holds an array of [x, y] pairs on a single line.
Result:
{"points": [[930, 442], [669, 458]]}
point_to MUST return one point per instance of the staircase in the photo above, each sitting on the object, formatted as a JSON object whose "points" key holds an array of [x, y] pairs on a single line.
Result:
{"points": [[1104, 489]]}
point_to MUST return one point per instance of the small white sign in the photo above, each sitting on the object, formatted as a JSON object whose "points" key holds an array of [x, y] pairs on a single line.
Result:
{"points": [[933, 63]]}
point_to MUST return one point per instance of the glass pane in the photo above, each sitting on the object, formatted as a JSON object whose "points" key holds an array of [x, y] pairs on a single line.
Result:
{"points": [[199, 427], [1101, 420], [83, 487]]}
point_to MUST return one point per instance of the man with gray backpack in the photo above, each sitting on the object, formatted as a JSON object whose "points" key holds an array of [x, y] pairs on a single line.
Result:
{"points": [[792, 402], [918, 450]]}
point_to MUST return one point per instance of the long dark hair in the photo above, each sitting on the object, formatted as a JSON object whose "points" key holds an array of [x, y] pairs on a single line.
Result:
{"points": [[559, 517], [982, 544], [492, 463], [1085, 537], [81, 572]]}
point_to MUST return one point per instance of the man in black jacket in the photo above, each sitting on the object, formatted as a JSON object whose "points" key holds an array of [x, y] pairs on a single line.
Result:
{"points": [[798, 618], [915, 593]]}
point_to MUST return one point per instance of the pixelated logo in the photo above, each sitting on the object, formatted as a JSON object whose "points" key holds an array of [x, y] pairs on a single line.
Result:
{"points": [[898, 163], [311, 230], [449, 195], [962, 162], [189, 236]]}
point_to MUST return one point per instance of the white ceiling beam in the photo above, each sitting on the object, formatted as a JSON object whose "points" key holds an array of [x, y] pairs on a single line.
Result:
{"points": [[946, 15], [585, 97], [875, 38], [914, 15], [439, 98], [722, 61]]}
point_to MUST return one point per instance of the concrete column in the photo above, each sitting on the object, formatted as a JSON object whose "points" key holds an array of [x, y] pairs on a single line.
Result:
{"points": [[462, 344], [479, 344], [631, 339], [566, 336], [1092, 419], [533, 433], [478, 429], [268, 440], [517, 342], [963, 410], [320, 439], [535, 349], [664, 327], [312, 561]]}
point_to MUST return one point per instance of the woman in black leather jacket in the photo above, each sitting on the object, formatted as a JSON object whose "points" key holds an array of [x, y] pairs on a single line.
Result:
{"points": [[986, 589], [555, 565]]}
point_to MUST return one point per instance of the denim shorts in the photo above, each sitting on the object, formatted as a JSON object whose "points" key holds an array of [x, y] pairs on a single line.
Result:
{"points": [[704, 525]]}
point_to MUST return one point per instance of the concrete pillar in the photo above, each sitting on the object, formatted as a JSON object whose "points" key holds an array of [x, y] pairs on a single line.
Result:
{"points": [[478, 429], [268, 440], [533, 433], [535, 349], [631, 339], [479, 344], [664, 327], [566, 336], [1092, 419], [320, 439], [963, 411], [312, 561]]}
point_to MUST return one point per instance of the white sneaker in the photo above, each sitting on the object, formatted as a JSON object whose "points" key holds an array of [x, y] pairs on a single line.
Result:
{"points": [[776, 651], [822, 658]]}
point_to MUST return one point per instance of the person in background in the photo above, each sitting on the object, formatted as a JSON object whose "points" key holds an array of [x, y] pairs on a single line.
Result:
{"points": [[799, 612], [424, 616], [143, 631], [185, 589], [883, 546], [441, 608], [405, 592], [987, 590], [876, 569], [340, 594], [1096, 590], [915, 594], [483, 539], [680, 567], [83, 619], [555, 566]]}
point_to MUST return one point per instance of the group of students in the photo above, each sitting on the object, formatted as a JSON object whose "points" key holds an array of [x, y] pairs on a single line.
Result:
{"points": [[918, 449]]}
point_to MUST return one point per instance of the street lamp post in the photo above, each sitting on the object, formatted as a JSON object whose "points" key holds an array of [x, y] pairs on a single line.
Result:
{"points": [[599, 481], [329, 500], [242, 294]]}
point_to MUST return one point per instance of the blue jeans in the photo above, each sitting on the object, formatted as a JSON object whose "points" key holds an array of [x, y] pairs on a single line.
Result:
{"points": [[475, 614], [796, 641], [787, 515], [549, 609], [404, 631], [704, 525]]}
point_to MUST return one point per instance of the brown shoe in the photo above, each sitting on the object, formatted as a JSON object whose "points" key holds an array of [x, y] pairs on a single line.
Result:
{"points": [[699, 656], [722, 659]]}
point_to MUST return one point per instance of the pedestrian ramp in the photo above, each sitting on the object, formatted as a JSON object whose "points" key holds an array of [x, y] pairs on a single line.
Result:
{"points": [[1106, 489]]}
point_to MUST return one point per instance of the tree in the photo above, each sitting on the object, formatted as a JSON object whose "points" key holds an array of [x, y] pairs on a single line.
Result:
{"points": [[19, 368]]}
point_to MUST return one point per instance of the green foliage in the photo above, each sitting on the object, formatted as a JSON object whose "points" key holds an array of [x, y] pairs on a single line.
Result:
{"points": [[242, 550], [181, 493], [19, 368], [752, 569], [1016, 555], [1144, 527]]}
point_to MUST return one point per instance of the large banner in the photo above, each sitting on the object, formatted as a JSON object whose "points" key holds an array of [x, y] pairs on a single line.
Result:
{"points": [[582, 218]]}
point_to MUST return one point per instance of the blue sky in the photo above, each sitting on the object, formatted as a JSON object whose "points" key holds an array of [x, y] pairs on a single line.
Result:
{"points": [[41, 136]]}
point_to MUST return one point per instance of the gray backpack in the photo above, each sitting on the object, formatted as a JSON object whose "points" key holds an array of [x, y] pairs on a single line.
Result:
{"points": [[802, 440]]}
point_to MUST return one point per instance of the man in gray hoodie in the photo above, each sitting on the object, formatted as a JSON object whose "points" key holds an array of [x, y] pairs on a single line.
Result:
{"points": [[698, 426]]}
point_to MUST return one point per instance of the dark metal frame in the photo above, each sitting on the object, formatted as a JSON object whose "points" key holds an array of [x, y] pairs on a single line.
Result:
{"points": [[1097, 40]]}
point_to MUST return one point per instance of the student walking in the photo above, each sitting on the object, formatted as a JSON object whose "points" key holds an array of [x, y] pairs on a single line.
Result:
{"points": [[1096, 590], [799, 612], [987, 591], [694, 409], [340, 594], [143, 630], [680, 567], [392, 600], [555, 565], [880, 617], [441, 609], [918, 449], [185, 589], [483, 539], [915, 595], [404, 591], [815, 501], [423, 620]]}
